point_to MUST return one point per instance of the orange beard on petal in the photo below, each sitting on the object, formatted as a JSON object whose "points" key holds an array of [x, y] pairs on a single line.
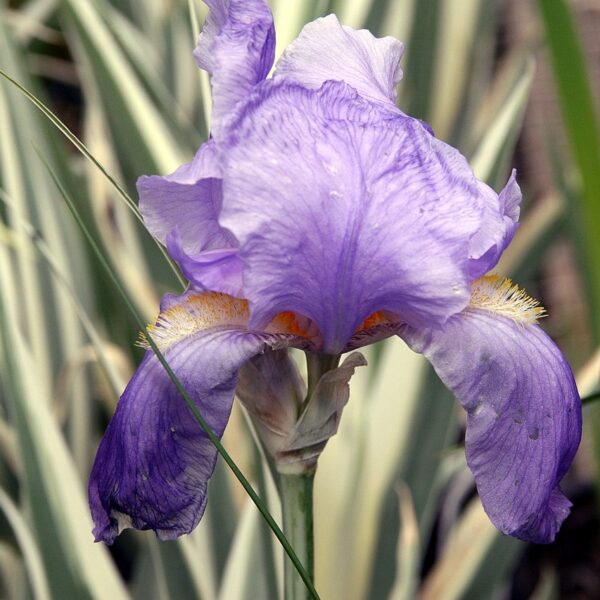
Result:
{"points": [[374, 319], [291, 322]]}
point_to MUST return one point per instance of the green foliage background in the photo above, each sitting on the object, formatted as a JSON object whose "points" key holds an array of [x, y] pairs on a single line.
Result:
{"points": [[395, 512]]}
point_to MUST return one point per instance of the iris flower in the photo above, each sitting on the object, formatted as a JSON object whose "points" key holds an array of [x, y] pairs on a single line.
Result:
{"points": [[319, 216]]}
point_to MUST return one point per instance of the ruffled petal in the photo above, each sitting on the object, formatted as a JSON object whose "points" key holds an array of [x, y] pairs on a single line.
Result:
{"points": [[181, 210], [237, 48], [189, 201], [219, 270], [342, 209], [327, 50], [501, 216], [524, 415], [154, 462]]}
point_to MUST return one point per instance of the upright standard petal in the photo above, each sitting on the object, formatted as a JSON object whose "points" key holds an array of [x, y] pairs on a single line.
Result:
{"points": [[237, 48], [154, 462], [342, 208], [524, 412], [500, 221], [189, 201], [327, 50], [181, 210]]}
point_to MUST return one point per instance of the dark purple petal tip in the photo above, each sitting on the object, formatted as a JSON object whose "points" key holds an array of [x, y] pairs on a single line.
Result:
{"points": [[154, 462], [542, 526]]}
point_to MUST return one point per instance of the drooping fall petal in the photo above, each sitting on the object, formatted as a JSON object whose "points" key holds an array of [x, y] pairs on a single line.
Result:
{"points": [[154, 462], [524, 412]]}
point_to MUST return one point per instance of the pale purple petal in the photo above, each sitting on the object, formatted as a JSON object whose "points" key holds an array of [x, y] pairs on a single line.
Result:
{"points": [[342, 208], [327, 50], [181, 210], [501, 216], [236, 47], [524, 415], [219, 270], [188, 200], [154, 462]]}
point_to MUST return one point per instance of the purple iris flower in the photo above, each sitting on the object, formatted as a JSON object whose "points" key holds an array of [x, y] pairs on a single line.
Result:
{"points": [[320, 216]]}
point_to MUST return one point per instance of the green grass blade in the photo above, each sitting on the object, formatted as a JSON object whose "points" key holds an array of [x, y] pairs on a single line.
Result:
{"points": [[290, 16], [582, 127], [464, 555], [431, 429], [196, 17], [43, 310], [537, 230], [356, 472], [244, 575], [420, 60], [503, 129], [354, 13], [123, 90], [458, 30], [408, 554], [583, 132], [76, 568], [34, 236], [160, 79], [190, 403], [591, 398], [74, 140], [392, 18], [83, 149], [28, 21], [26, 541], [194, 21]]}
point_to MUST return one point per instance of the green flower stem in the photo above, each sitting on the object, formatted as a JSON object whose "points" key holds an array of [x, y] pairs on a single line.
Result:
{"points": [[297, 504], [297, 495]]}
